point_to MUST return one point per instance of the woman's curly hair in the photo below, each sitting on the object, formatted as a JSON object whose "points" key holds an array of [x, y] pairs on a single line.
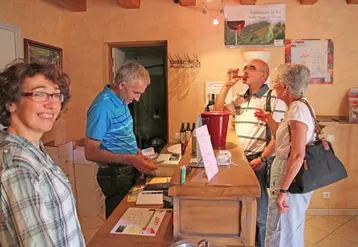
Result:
{"points": [[13, 77]]}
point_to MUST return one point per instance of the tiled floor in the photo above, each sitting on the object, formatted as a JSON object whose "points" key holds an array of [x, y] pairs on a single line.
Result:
{"points": [[331, 231], [320, 231]]}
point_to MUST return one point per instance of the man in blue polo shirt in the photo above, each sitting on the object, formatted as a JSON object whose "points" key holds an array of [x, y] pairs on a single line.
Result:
{"points": [[110, 140], [250, 131]]}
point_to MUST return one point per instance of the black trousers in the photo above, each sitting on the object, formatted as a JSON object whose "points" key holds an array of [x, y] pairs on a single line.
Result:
{"points": [[115, 182]]}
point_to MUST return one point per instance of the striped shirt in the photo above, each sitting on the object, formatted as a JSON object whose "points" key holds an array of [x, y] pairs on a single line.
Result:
{"points": [[250, 131], [37, 205], [109, 121]]}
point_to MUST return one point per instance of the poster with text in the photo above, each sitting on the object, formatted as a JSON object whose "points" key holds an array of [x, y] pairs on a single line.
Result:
{"points": [[255, 25], [317, 55]]}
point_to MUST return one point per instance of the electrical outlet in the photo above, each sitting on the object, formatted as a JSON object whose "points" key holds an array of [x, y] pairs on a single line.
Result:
{"points": [[326, 195]]}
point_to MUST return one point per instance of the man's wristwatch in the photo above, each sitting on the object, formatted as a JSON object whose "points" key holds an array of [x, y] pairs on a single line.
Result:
{"points": [[263, 159]]}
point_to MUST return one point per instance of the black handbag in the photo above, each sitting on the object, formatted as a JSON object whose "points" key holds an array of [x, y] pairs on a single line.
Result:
{"points": [[320, 167]]}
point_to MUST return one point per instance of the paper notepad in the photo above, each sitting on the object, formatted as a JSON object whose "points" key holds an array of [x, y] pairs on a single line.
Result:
{"points": [[150, 197]]}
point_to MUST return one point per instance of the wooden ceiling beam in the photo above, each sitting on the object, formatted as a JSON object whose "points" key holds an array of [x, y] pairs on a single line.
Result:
{"points": [[129, 4], [308, 2], [352, 1], [73, 5], [247, 2], [187, 3]]}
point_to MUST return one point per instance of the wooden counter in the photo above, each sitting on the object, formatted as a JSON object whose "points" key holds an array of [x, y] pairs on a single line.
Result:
{"points": [[223, 210], [104, 238]]}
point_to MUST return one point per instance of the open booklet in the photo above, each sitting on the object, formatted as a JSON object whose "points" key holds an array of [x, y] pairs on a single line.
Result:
{"points": [[139, 221]]}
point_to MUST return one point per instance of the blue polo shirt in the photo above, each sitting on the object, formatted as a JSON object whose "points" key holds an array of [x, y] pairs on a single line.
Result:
{"points": [[109, 121]]}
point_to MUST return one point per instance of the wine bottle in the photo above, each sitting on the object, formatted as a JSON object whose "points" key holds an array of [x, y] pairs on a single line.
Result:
{"points": [[187, 132], [211, 103], [193, 127], [182, 132]]}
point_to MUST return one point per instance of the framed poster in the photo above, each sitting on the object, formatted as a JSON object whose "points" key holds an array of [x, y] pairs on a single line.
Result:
{"points": [[255, 25], [34, 50], [317, 55]]}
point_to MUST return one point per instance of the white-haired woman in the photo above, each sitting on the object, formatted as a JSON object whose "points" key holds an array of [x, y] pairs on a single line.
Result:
{"points": [[286, 213]]}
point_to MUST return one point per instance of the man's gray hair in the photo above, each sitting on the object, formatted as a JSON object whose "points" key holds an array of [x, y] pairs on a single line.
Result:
{"points": [[131, 72], [295, 76]]}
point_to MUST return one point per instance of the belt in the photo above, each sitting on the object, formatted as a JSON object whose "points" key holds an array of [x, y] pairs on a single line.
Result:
{"points": [[253, 156]]}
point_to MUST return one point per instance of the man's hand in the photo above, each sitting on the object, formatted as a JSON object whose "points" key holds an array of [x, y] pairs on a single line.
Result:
{"points": [[256, 164], [142, 165], [231, 80], [282, 203]]}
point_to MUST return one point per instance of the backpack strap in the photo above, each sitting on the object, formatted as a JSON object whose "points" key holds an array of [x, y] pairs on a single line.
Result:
{"points": [[268, 109]]}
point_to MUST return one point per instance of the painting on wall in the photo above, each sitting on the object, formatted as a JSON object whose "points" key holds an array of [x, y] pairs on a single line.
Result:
{"points": [[317, 55], [34, 50], [256, 25]]}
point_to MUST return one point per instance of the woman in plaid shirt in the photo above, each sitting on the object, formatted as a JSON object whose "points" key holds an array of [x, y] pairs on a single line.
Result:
{"points": [[37, 207]]}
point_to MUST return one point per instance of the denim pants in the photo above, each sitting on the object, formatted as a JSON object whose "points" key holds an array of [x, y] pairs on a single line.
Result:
{"points": [[115, 182], [285, 230], [262, 205]]}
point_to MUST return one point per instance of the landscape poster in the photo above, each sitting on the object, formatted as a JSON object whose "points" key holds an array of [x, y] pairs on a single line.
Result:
{"points": [[255, 25]]}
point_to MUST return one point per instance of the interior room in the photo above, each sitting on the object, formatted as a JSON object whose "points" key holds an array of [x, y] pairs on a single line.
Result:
{"points": [[96, 37]]}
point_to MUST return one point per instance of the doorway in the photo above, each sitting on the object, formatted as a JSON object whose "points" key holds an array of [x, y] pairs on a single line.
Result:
{"points": [[150, 113]]}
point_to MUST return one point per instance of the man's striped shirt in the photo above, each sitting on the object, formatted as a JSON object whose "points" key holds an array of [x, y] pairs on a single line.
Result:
{"points": [[109, 121], [250, 131]]}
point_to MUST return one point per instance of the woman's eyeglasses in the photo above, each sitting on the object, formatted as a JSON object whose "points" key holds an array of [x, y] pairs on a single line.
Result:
{"points": [[42, 96]]}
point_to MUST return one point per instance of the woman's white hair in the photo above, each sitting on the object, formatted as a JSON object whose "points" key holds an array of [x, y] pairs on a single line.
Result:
{"points": [[295, 76]]}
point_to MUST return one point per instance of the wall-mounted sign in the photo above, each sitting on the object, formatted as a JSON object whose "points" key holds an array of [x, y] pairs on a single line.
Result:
{"points": [[317, 55], [255, 25]]}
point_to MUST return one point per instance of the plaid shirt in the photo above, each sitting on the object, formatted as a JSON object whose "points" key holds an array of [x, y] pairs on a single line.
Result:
{"points": [[37, 206]]}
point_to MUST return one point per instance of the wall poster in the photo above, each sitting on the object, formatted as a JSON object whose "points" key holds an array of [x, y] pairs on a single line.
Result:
{"points": [[255, 25], [317, 55]]}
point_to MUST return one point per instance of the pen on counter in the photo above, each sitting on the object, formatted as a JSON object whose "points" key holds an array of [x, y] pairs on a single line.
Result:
{"points": [[161, 209], [152, 193]]}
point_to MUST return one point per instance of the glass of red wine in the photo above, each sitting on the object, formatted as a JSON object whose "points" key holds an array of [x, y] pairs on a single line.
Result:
{"points": [[237, 26]]}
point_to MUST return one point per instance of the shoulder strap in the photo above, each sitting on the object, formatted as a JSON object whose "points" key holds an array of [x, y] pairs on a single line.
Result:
{"points": [[318, 130], [268, 109]]}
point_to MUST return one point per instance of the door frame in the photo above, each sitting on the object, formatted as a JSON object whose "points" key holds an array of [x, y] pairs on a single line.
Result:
{"points": [[111, 45]]}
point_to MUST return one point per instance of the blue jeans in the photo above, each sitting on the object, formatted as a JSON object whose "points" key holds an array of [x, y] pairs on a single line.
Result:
{"points": [[262, 206]]}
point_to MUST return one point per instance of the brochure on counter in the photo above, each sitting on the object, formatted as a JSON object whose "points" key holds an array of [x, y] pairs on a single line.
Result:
{"points": [[139, 221]]}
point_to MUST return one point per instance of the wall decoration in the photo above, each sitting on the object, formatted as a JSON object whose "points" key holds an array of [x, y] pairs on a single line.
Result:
{"points": [[317, 55], [38, 51], [255, 25]]}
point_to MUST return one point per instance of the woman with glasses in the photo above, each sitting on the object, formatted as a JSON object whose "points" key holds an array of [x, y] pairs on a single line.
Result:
{"points": [[37, 205], [286, 213]]}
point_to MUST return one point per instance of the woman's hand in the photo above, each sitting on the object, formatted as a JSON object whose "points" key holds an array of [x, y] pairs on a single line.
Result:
{"points": [[231, 80], [282, 203], [262, 115]]}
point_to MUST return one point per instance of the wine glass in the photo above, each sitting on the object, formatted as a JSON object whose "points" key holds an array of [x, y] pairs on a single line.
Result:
{"points": [[237, 26]]}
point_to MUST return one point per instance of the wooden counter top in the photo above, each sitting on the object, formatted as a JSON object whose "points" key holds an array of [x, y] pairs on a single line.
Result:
{"points": [[236, 180], [231, 183], [104, 238]]}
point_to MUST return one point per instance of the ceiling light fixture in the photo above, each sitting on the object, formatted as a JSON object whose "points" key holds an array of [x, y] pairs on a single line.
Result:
{"points": [[218, 10]]}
